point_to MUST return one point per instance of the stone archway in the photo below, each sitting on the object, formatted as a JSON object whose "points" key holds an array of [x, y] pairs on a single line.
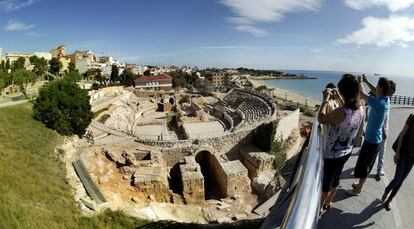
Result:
{"points": [[214, 179]]}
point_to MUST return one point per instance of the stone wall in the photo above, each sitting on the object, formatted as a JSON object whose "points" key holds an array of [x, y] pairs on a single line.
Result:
{"points": [[237, 180], [286, 126], [192, 181]]}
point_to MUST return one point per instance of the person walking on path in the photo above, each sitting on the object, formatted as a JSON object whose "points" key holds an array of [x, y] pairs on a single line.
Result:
{"points": [[379, 107], [342, 127], [404, 158], [383, 145]]}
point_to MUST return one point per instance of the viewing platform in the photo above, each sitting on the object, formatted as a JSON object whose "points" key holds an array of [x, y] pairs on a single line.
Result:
{"points": [[298, 205]]}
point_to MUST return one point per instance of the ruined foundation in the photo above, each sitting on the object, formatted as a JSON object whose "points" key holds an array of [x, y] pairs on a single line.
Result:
{"points": [[186, 153]]}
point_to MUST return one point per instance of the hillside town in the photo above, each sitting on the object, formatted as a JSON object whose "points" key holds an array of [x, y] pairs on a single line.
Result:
{"points": [[98, 70]]}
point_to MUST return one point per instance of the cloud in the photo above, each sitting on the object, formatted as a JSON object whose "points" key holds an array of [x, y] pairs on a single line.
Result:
{"points": [[249, 13], [32, 34], [393, 5], [253, 30], [12, 5], [15, 25], [316, 50], [382, 32]]}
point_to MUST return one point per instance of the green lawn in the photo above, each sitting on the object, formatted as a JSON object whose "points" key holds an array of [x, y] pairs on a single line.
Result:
{"points": [[34, 192]]}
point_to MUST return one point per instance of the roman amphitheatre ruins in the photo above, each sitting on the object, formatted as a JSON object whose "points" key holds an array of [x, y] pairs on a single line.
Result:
{"points": [[178, 156]]}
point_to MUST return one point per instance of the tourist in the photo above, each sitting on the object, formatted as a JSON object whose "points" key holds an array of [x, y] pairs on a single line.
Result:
{"points": [[334, 101], [404, 158], [343, 124], [383, 145], [379, 106]]}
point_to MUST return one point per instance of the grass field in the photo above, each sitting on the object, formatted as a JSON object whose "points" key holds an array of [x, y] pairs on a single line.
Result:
{"points": [[34, 192]]}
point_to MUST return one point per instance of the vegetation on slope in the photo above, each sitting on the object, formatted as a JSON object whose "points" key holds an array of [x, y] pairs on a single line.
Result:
{"points": [[33, 187]]}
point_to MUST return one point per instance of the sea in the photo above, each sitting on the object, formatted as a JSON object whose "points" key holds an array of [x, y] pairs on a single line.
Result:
{"points": [[313, 88]]}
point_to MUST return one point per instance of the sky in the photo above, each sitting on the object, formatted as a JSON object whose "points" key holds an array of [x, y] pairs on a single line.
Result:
{"points": [[373, 36]]}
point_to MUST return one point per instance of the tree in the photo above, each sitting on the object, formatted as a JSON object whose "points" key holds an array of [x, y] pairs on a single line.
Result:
{"points": [[95, 74], [3, 79], [128, 78], [74, 76], [55, 66], [19, 63], [114, 74], [204, 86], [178, 79], [22, 78], [8, 65], [71, 67], [40, 65], [3, 66], [99, 77], [2, 84], [63, 106], [147, 72]]}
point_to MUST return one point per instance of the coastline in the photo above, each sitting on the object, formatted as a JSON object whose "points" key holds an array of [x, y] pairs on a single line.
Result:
{"points": [[282, 78], [289, 95]]}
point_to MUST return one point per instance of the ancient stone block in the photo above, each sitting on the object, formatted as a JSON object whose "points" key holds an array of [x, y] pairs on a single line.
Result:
{"points": [[153, 182], [257, 162], [236, 178], [193, 181]]}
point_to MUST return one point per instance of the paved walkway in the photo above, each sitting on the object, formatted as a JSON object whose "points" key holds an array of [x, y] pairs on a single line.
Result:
{"points": [[13, 103], [366, 211]]}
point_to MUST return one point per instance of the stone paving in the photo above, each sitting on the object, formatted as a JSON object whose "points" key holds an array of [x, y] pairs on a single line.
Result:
{"points": [[364, 211]]}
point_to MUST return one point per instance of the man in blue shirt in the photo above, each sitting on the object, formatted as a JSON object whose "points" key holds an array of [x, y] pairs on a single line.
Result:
{"points": [[379, 107]]}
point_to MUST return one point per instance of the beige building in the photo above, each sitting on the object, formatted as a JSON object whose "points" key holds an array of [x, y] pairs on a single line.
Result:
{"points": [[1, 54], [218, 79], [78, 55], [65, 64], [59, 51], [13, 56]]}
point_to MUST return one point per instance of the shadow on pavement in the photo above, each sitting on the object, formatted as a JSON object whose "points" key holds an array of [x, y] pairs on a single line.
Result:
{"points": [[336, 218]]}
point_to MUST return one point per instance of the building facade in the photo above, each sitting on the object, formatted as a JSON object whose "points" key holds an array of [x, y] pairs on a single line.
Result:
{"points": [[158, 82], [59, 51]]}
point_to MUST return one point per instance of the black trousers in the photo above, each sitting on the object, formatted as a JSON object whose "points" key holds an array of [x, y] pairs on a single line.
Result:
{"points": [[366, 159], [332, 169]]}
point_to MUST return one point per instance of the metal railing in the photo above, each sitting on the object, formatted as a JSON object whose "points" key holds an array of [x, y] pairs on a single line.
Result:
{"points": [[300, 204], [402, 100]]}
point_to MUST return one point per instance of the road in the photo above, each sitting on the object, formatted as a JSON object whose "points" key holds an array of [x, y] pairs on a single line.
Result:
{"points": [[404, 200]]}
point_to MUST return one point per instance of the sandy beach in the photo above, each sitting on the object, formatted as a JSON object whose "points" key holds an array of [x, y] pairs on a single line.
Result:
{"points": [[288, 95]]}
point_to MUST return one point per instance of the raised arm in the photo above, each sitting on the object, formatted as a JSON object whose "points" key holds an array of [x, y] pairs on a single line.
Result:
{"points": [[371, 86], [334, 117], [363, 94]]}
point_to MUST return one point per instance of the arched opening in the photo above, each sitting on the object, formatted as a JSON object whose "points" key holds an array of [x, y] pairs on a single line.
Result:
{"points": [[171, 101], [214, 184]]}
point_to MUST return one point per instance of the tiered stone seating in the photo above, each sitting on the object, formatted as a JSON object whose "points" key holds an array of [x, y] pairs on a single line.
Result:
{"points": [[253, 105]]}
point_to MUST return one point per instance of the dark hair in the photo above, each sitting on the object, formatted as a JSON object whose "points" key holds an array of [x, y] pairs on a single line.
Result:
{"points": [[330, 85], [392, 88], [349, 88], [384, 83]]}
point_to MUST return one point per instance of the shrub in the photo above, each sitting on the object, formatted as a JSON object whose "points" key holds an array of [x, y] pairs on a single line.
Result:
{"points": [[63, 106]]}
